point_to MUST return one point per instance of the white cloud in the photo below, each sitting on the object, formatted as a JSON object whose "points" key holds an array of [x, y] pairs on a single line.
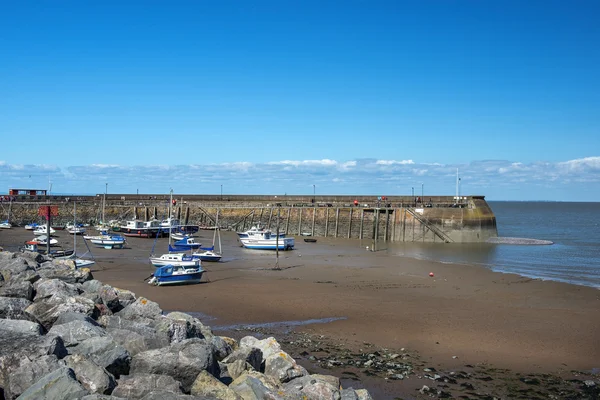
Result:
{"points": [[294, 176], [393, 162]]}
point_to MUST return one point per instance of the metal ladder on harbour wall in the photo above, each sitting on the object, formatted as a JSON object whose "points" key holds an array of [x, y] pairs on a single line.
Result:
{"points": [[433, 228]]}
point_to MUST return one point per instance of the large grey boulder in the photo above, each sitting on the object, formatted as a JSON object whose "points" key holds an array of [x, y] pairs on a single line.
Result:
{"points": [[96, 396], [268, 346], [46, 288], [64, 273], [238, 368], [222, 347], [29, 372], [251, 355], [32, 257], [18, 268], [70, 316], [14, 308], [207, 385], [75, 332], [92, 286], [20, 327], [16, 349], [311, 387], [176, 331], [142, 310], [348, 394], [47, 313], [136, 386], [115, 325], [126, 297], [132, 341], [110, 297], [17, 288], [250, 387], [58, 384], [283, 367], [195, 322], [92, 376], [166, 395], [105, 352], [183, 361]]}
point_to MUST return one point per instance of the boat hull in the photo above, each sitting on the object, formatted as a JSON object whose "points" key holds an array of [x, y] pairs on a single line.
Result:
{"points": [[176, 275], [268, 244], [144, 232], [108, 244]]}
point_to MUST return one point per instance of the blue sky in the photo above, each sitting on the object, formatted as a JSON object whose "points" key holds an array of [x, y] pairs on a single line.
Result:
{"points": [[271, 97]]}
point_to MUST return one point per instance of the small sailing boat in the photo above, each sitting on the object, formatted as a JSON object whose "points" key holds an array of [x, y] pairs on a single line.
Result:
{"points": [[208, 253], [185, 244], [6, 224], [79, 262]]}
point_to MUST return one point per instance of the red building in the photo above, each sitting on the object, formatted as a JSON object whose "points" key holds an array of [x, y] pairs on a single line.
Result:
{"points": [[28, 192]]}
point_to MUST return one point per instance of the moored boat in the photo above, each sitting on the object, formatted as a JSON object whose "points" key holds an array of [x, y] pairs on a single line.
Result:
{"points": [[175, 259], [32, 246], [5, 225], [207, 254], [43, 240], [140, 228], [176, 275], [267, 241], [257, 231], [41, 230], [188, 243], [31, 226], [109, 241]]}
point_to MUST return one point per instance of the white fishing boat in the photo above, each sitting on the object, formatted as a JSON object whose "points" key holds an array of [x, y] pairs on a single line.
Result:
{"points": [[141, 228], [267, 241], [43, 240], [179, 236], [176, 275], [76, 229], [109, 241], [31, 226], [257, 231], [175, 259], [41, 230]]}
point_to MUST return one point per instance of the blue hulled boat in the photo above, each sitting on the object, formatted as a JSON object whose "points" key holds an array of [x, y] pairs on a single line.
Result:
{"points": [[187, 243], [176, 275]]}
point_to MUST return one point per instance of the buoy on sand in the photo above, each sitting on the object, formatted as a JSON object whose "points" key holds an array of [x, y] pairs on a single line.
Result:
{"points": [[431, 274]]}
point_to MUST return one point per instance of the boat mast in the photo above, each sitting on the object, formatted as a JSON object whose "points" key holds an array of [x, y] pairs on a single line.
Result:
{"points": [[277, 239], [104, 204], [170, 218], [75, 228], [456, 198]]}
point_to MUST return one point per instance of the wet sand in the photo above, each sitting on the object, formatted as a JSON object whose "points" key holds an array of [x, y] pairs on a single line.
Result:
{"points": [[463, 316]]}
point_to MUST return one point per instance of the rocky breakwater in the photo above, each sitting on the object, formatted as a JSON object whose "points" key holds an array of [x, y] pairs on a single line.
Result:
{"points": [[65, 335]]}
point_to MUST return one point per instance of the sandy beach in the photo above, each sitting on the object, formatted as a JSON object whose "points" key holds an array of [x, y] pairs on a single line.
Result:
{"points": [[464, 318]]}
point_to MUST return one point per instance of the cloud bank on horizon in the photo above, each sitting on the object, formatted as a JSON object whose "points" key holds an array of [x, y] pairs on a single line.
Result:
{"points": [[496, 179]]}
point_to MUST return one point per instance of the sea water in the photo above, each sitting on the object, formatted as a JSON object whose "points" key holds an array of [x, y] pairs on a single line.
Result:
{"points": [[573, 227]]}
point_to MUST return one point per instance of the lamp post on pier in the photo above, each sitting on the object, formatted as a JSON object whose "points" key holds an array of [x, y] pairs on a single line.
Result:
{"points": [[314, 191]]}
